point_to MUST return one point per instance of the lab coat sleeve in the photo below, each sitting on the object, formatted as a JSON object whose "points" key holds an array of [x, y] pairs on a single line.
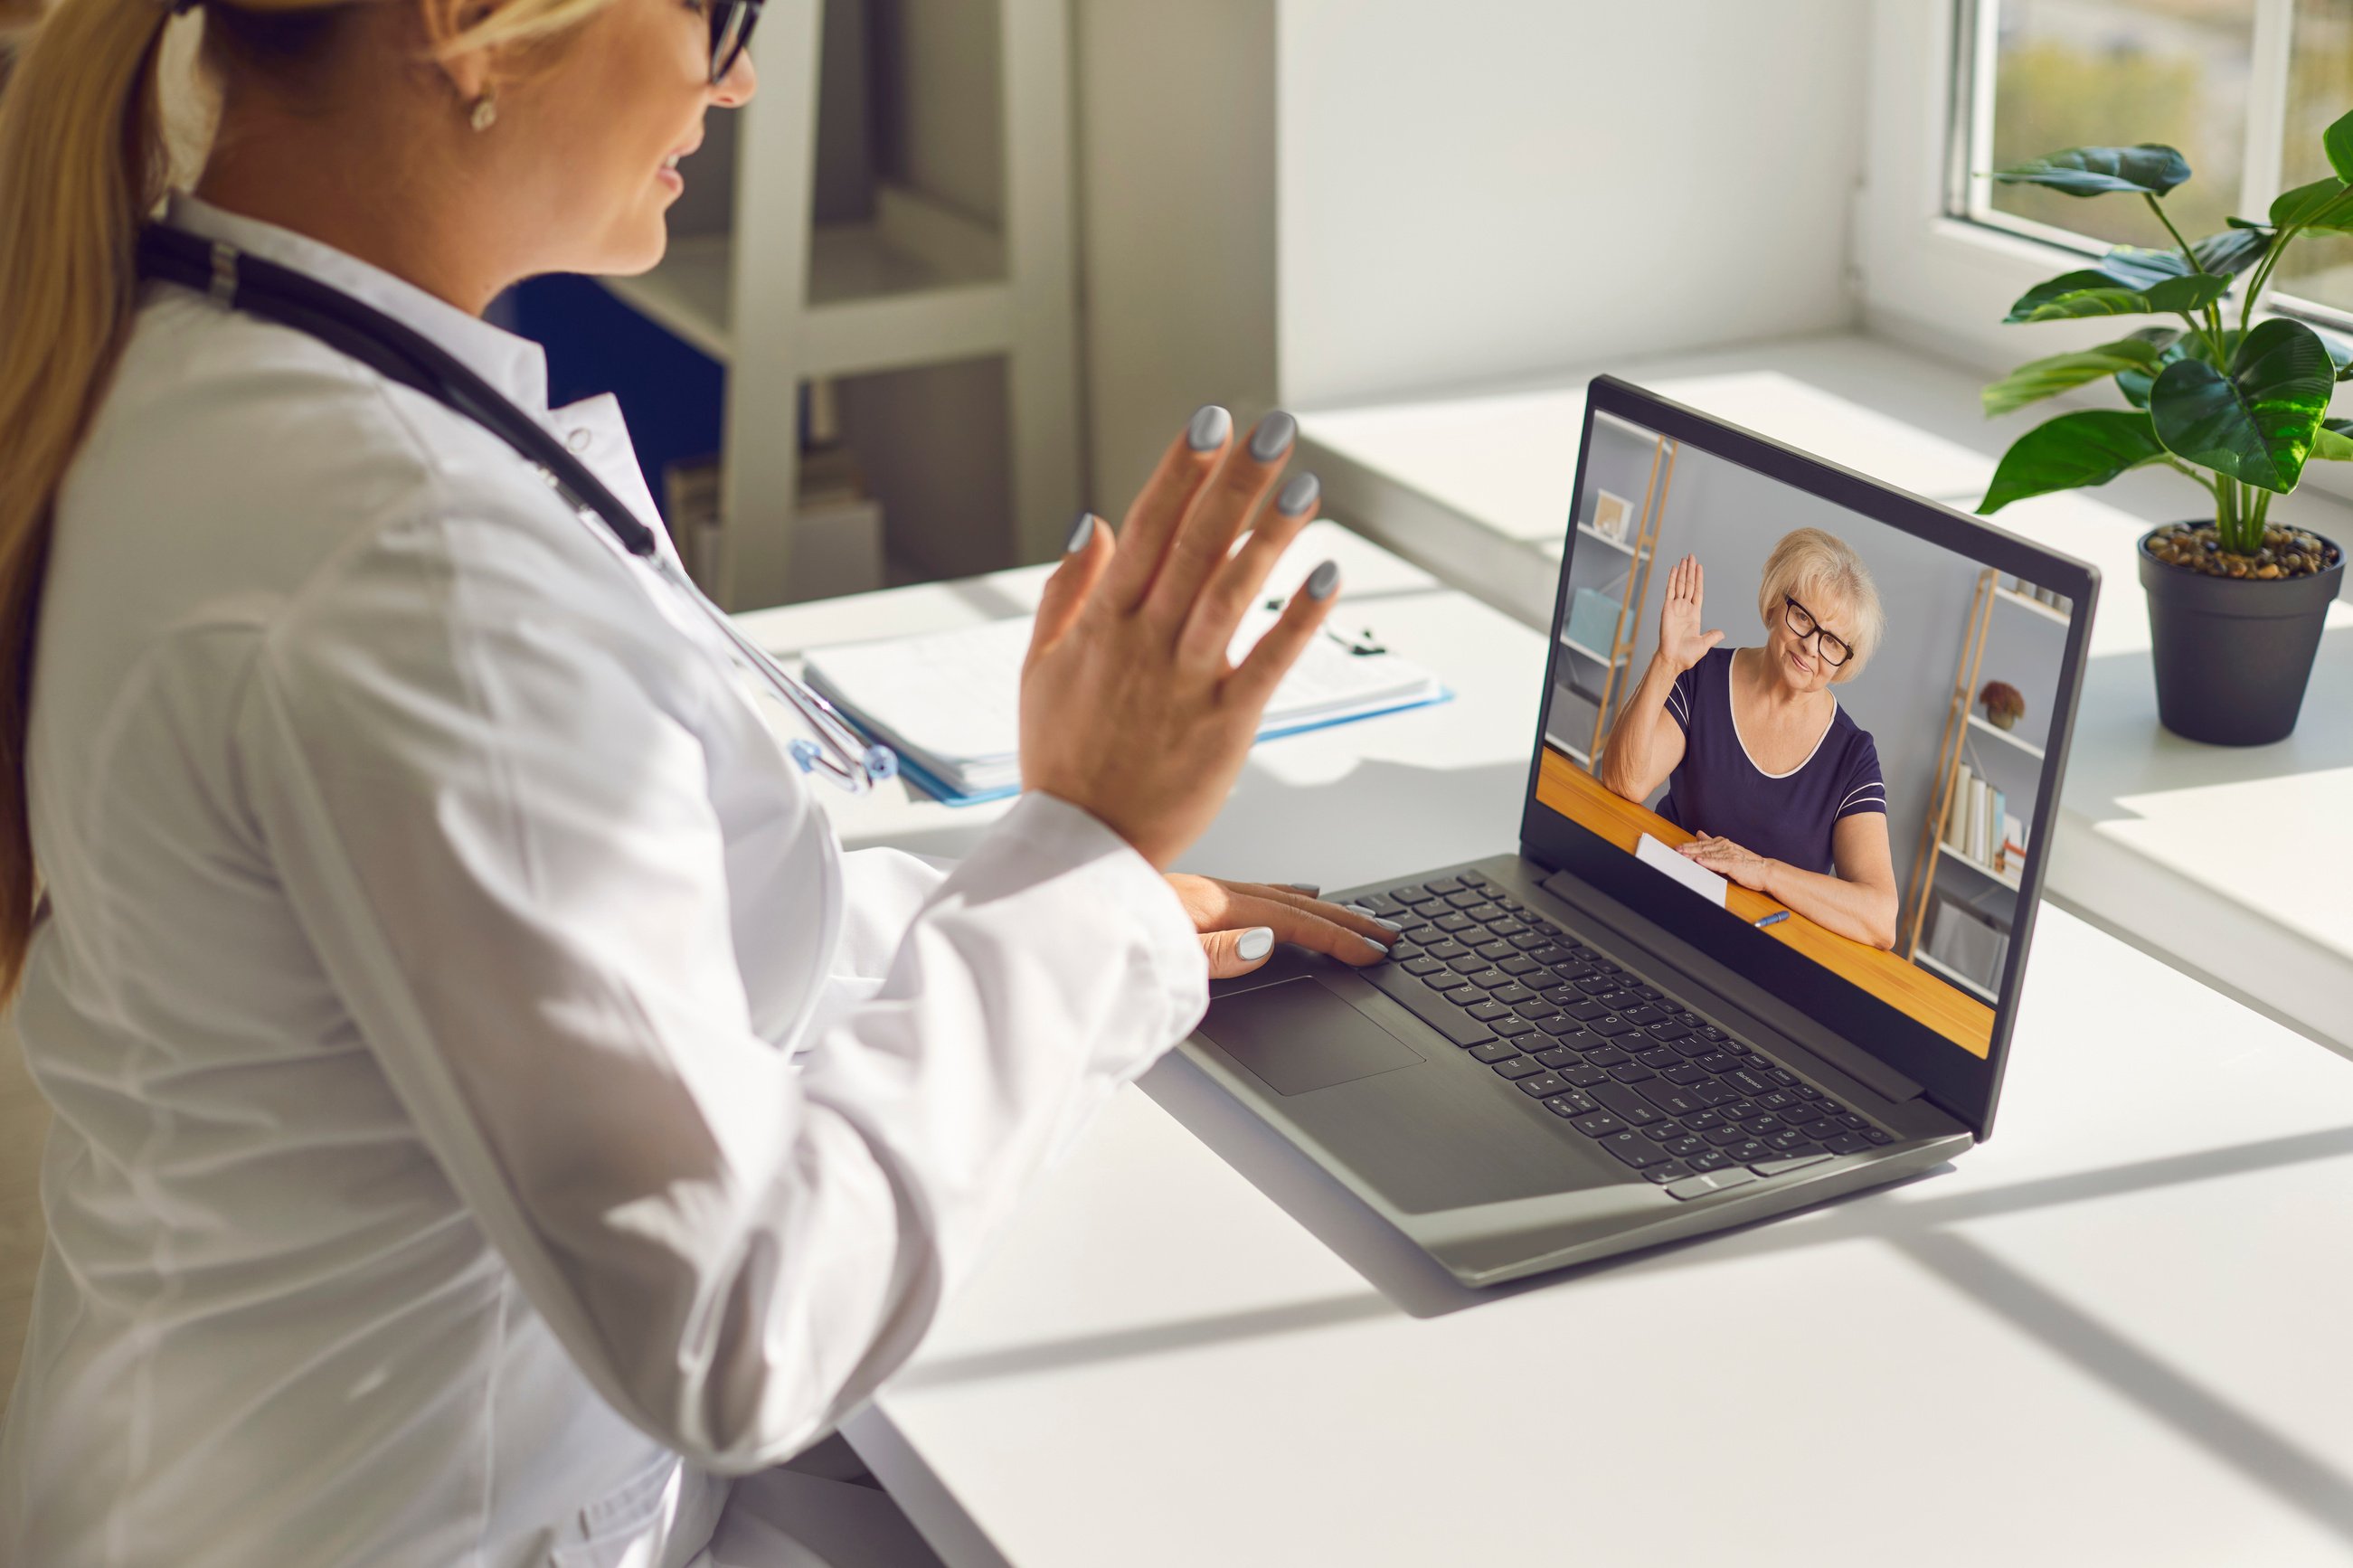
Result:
{"points": [[472, 753]]}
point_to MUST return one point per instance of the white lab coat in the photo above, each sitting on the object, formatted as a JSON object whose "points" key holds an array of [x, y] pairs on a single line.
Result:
{"points": [[480, 1078]]}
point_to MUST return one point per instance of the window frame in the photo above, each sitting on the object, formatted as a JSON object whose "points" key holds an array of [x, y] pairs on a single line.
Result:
{"points": [[1935, 278]]}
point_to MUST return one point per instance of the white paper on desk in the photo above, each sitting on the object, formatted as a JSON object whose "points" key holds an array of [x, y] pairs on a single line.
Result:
{"points": [[950, 700], [1682, 868]]}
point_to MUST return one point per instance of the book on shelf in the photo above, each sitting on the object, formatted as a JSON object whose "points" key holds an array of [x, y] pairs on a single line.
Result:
{"points": [[2011, 858], [1956, 810]]}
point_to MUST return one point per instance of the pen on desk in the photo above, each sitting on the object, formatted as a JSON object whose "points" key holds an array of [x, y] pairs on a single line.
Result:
{"points": [[1776, 918]]}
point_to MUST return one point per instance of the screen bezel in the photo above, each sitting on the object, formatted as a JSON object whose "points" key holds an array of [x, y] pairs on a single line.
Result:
{"points": [[1960, 1083]]}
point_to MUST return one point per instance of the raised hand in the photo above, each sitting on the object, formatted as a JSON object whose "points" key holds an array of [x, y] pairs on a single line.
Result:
{"points": [[1130, 706], [1680, 642]]}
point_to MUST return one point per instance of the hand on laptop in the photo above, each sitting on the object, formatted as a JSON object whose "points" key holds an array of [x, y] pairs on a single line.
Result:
{"points": [[1680, 642], [1130, 707], [1239, 923]]}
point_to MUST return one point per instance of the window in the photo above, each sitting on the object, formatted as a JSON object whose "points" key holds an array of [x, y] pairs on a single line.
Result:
{"points": [[2244, 87]]}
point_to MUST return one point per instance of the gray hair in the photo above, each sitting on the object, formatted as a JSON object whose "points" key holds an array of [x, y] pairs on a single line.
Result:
{"points": [[1809, 564]]}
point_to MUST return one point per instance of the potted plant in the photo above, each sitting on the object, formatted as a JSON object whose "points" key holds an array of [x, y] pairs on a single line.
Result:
{"points": [[2235, 599], [2003, 703]]}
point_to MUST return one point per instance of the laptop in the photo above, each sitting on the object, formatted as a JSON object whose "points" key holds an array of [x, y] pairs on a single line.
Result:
{"points": [[1590, 1044]]}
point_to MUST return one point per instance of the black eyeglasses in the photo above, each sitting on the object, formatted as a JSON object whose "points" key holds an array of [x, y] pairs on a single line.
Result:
{"points": [[1802, 626], [731, 29]]}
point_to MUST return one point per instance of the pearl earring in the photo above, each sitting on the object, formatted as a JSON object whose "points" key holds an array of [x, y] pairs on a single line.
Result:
{"points": [[486, 112]]}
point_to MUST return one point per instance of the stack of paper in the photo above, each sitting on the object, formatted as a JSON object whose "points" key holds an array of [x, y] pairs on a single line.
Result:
{"points": [[949, 703]]}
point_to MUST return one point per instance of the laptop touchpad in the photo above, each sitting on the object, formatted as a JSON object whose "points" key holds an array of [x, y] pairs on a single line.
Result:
{"points": [[1297, 1036]]}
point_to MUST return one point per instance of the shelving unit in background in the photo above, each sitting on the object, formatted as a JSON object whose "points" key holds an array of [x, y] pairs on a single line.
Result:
{"points": [[1969, 737], [781, 300], [1611, 663]]}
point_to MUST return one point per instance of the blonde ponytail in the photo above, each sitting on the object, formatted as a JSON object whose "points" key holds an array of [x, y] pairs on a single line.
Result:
{"points": [[81, 162]]}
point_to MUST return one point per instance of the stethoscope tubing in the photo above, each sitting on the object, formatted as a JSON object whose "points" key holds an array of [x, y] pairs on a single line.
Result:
{"points": [[401, 353]]}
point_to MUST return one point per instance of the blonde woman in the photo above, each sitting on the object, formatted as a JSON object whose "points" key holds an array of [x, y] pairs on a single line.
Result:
{"points": [[1781, 786], [488, 1102]]}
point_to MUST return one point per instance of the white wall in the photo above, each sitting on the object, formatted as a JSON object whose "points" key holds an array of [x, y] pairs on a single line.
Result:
{"points": [[1176, 201], [1475, 190]]}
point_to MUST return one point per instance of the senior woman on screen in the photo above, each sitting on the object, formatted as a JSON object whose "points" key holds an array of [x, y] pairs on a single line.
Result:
{"points": [[1781, 786]]}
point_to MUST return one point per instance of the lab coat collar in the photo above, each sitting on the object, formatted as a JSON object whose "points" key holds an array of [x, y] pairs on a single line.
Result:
{"points": [[516, 366]]}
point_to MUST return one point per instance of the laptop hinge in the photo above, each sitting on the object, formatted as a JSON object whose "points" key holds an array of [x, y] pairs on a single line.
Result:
{"points": [[1851, 1059]]}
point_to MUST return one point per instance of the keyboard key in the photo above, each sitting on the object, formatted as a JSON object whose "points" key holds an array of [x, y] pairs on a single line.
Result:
{"points": [[1669, 1030], [1513, 1027], [1626, 1104], [1544, 1085], [1725, 1137], [1750, 1152], [1474, 878], [1600, 1124], [1462, 900], [1445, 980], [1755, 1083], [1429, 1007], [1705, 1120], [1530, 944], [1492, 980], [1576, 1102], [1877, 1137], [1673, 1171], [1686, 1144], [1444, 884], [1806, 1111], [1648, 994], [1606, 1056], [1780, 1100], [1559, 1057], [1633, 1148], [1788, 1163], [1632, 1072], [1850, 1120], [1483, 912], [1488, 1012], [1596, 983], [1719, 1061], [1456, 922], [1511, 993], [1495, 1051], [1705, 1182], [1568, 1028], [1783, 1076], [1519, 964], [1538, 1008], [1468, 963], [1585, 1008], [1423, 965], [1674, 1101], [1710, 1159], [1656, 1056], [1738, 1110], [1694, 1047], [1847, 1143], [1644, 1017], [1518, 1068], [1682, 1072], [1588, 1076], [1762, 1126], [1788, 1138], [1610, 1025], [1756, 1063], [1711, 1031], [1713, 1093], [1496, 952], [1448, 952]]}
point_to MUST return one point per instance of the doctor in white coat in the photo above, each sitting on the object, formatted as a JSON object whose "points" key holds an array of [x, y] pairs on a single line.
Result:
{"points": [[488, 1105]]}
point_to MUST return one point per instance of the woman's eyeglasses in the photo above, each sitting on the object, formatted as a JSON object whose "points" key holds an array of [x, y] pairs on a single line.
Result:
{"points": [[1802, 626], [731, 29]]}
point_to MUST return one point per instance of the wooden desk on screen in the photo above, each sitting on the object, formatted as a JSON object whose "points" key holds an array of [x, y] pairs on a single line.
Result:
{"points": [[1961, 1018]]}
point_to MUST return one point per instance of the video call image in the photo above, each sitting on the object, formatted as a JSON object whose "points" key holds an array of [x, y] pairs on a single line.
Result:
{"points": [[1829, 728]]}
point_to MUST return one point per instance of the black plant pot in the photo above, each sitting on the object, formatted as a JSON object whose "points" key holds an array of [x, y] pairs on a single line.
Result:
{"points": [[2233, 654]]}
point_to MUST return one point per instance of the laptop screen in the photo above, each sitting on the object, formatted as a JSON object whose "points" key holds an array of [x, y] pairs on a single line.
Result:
{"points": [[1812, 724]]}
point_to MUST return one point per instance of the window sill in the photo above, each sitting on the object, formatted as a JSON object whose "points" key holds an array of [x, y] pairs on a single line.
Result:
{"points": [[2202, 855]]}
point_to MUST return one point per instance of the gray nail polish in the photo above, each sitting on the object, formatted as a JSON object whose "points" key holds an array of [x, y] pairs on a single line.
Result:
{"points": [[1377, 947], [1254, 943], [1323, 581], [1210, 427], [1273, 436], [1385, 925], [1298, 495], [1311, 889], [1082, 532]]}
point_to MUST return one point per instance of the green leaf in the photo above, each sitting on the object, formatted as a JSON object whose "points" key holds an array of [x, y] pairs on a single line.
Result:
{"points": [[2175, 344], [2333, 443], [2030, 382], [2232, 250], [2088, 448], [2306, 203], [2337, 141], [2072, 295], [2149, 168], [2256, 425]]}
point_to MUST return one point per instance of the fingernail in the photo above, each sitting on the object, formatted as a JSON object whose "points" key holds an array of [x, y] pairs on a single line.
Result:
{"points": [[1298, 495], [1372, 945], [1082, 533], [1273, 436], [1210, 427], [1323, 581], [1310, 889], [1254, 943], [1385, 925]]}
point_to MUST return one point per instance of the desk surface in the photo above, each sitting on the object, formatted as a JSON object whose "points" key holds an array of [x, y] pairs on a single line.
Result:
{"points": [[2112, 1334]]}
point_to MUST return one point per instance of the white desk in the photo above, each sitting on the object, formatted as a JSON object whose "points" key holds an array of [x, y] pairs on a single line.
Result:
{"points": [[2113, 1334]]}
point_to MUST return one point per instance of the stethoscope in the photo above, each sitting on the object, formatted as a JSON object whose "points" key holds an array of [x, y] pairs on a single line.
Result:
{"points": [[279, 294]]}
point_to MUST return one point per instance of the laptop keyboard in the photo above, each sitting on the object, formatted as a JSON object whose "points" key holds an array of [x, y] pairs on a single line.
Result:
{"points": [[1674, 1096]]}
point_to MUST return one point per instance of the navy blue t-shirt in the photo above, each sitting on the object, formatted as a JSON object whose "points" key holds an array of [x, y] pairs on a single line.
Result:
{"points": [[1716, 788]]}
